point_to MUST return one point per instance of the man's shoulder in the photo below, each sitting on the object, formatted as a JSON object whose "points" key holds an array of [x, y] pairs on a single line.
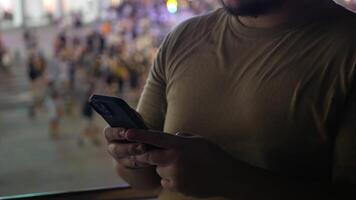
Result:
{"points": [[198, 26], [203, 20]]}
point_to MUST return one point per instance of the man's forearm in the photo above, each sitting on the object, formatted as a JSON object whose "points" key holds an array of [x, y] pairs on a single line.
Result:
{"points": [[144, 179], [255, 183]]}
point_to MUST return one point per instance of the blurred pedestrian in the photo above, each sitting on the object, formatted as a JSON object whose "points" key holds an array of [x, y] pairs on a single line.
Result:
{"points": [[90, 131], [55, 109], [37, 70], [30, 39]]}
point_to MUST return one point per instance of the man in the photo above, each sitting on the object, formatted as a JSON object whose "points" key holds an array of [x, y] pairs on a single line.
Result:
{"points": [[262, 96]]}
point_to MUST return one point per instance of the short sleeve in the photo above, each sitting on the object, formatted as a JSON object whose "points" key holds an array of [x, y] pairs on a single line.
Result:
{"points": [[153, 102], [153, 105]]}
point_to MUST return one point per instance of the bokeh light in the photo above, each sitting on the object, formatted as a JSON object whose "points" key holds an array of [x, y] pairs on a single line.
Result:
{"points": [[172, 6]]}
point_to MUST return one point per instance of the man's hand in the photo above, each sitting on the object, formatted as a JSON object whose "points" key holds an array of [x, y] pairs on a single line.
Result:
{"points": [[138, 174], [187, 164], [122, 150]]}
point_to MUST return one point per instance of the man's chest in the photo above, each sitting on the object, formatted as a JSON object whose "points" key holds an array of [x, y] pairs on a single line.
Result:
{"points": [[270, 112]]}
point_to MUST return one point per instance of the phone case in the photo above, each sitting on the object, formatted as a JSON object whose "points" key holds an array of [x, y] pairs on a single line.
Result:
{"points": [[116, 112]]}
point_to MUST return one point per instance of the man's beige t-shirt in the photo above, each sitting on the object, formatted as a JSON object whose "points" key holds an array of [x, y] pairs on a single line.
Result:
{"points": [[279, 99]]}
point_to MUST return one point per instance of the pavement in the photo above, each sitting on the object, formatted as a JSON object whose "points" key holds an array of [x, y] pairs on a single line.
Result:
{"points": [[32, 162]]}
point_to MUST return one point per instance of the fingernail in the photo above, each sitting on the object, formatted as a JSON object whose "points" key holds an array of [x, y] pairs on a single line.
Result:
{"points": [[140, 149], [122, 133]]}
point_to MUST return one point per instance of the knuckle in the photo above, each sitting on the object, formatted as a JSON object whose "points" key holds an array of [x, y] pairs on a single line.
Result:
{"points": [[130, 133], [131, 149], [119, 130], [111, 149], [169, 184], [115, 150], [164, 184], [107, 132], [145, 157], [112, 133], [141, 149], [148, 156]]}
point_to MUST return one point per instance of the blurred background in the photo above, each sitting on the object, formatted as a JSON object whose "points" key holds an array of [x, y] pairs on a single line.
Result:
{"points": [[53, 55]]}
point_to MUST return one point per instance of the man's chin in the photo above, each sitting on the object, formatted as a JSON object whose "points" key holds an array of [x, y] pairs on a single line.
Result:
{"points": [[233, 7], [235, 11], [231, 3], [252, 8]]}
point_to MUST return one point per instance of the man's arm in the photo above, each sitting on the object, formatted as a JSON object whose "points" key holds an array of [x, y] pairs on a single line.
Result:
{"points": [[139, 175], [197, 167], [152, 108]]}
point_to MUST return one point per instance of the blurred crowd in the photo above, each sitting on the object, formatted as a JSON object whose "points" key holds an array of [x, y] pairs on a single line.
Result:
{"points": [[111, 58]]}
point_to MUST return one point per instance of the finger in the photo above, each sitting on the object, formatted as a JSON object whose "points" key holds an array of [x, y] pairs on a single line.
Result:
{"points": [[166, 172], [168, 177], [132, 163], [168, 184], [158, 139], [112, 134], [157, 157], [120, 151]]}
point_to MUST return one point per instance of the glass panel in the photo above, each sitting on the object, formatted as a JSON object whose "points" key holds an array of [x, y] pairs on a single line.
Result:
{"points": [[50, 140]]}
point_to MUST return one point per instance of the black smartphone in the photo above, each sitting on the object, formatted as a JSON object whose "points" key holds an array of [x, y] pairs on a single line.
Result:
{"points": [[116, 112]]}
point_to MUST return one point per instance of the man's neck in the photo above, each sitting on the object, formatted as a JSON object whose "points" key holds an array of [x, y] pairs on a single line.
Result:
{"points": [[289, 11]]}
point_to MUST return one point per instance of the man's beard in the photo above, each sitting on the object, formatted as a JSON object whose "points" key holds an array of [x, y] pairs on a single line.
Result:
{"points": [[253, 8]]}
